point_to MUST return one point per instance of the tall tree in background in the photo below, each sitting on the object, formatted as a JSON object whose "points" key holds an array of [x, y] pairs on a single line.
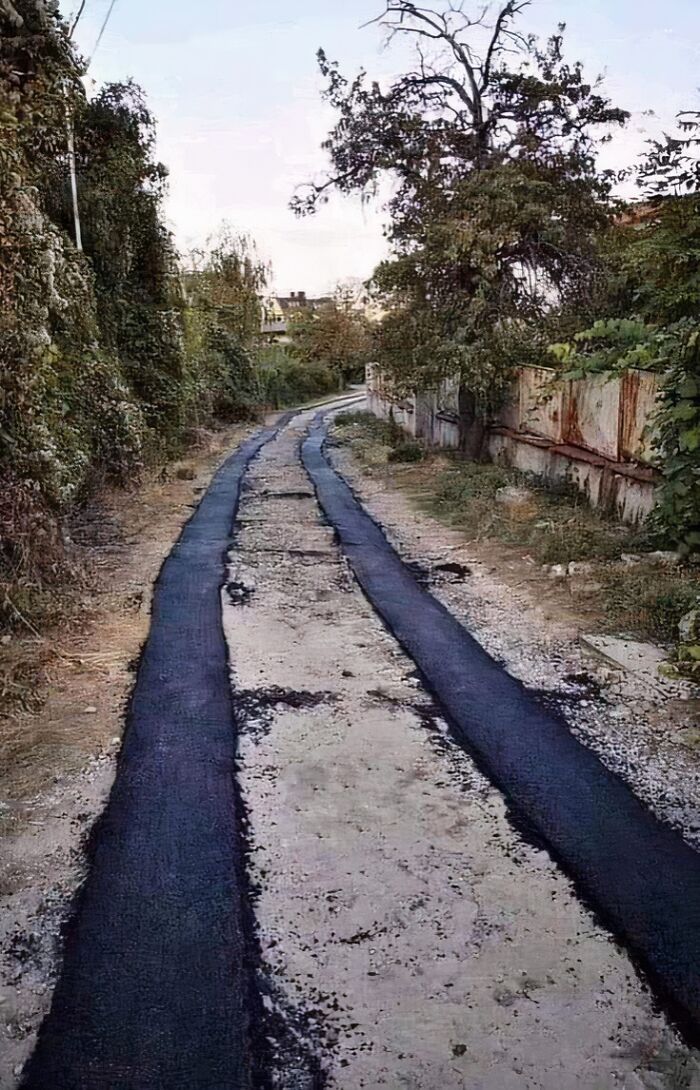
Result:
{"points": [[224, 284], [489, 145], [336, 334]]}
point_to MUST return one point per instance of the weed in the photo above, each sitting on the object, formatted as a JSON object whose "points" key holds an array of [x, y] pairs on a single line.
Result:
{"points": [[648, 602], [406, 452], [556, 525]]}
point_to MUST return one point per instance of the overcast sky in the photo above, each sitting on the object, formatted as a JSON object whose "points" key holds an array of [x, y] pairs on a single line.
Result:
{"points": [[235, 89]]}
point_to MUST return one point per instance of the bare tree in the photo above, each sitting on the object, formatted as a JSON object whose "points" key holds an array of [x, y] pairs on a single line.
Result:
{"points": [[489, 142], [456, 78]]}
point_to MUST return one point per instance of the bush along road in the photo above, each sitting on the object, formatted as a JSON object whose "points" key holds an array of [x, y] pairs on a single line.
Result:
{"points": [[356, 872]]}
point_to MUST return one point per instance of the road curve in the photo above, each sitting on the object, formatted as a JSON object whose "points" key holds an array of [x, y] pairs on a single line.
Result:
{"points": [[639, 874], [156, 988]]}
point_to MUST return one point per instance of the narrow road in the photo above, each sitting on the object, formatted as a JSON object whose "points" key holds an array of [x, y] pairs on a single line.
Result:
{"points": [[312, 883], [409, 933], [156, 988]]}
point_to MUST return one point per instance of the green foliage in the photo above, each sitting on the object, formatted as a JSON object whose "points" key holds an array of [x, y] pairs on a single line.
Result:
{"points": [[336, 336], [222, 318], [284, 379], [560, 526], [613, 345], [138, 294], [107, 357], [658, 266], [497, 204], [227, 280], [678, 426], [408, 451], [383, 432]]}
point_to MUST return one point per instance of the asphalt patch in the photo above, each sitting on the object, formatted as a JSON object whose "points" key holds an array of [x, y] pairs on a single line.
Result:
{"points": [[239, 594], [637, 873], [255, 708], [157, 987]]}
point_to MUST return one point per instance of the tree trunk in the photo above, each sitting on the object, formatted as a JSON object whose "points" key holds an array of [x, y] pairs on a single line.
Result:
{"points": [[472, 427]]}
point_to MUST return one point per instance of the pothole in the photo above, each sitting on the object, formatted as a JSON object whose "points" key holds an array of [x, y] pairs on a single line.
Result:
{"points": [[255, 708]]}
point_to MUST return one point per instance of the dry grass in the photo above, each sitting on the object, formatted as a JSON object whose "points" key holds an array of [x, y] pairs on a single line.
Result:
{"points": [[556, 526], [68, 644]]}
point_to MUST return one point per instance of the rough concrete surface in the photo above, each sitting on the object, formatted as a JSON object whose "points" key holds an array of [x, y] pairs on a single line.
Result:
{"points": [[646, 732], [42, 867], [410, 936]]}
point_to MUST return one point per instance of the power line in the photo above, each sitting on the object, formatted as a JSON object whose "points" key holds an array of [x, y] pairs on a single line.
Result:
{"points": [[76, 20], [69, 123], [102, 30]]}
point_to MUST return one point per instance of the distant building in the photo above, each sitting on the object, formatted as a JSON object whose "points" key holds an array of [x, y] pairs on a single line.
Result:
{"points": [[277, 310], [274, 321]]}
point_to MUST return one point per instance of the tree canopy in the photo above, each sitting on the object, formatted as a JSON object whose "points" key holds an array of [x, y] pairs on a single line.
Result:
{"points": [[496, 203], [337, 335]]}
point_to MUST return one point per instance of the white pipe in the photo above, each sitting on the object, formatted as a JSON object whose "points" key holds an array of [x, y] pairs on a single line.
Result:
{"points": [[73, 182]]}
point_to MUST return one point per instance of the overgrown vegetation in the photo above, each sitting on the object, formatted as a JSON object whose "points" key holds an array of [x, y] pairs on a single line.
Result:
{"points": [[335, 336], [489, 144], [655, 270], [113, 356], [506, 237], [285, 379]]}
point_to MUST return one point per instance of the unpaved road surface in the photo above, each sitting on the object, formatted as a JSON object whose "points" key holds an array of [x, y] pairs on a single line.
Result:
{"points": [[411, 936], [311, 884]]}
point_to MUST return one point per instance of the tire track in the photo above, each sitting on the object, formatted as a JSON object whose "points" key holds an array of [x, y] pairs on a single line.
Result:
{"points": [[156, 988], [638, 873]]}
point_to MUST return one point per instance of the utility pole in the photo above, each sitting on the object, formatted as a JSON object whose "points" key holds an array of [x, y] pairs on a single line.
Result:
{"points": [[73, 181], [71, 149], [70, 131]]}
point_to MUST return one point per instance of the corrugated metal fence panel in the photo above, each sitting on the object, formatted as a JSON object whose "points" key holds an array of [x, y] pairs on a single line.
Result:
{"points": [[591, 415], [605, 414], [639, 393], [426, 407], [446, 429], [384, 403], [448, 395], [541, 401], [508, 414]]}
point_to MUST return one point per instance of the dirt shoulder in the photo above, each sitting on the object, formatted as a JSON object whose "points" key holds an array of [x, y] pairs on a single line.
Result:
{"points": [[57, 757], [644, 727]]}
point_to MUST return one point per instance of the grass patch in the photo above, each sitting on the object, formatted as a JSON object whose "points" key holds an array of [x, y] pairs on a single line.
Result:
{"points": [[648, 602], [360, 426], [407, 452], [553, 525]]}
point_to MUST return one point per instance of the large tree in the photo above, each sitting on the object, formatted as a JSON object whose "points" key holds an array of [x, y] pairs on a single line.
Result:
{"points": [[489, 145], [337, 334]]}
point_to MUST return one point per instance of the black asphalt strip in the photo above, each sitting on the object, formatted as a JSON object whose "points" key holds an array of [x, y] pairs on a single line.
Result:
{"points": [[156, 988], [639, 874]]}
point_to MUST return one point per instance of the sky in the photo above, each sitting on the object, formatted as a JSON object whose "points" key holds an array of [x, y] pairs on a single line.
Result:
{"points": [[235, 89]]}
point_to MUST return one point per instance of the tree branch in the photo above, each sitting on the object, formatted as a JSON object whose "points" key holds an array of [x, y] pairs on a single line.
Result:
{"points": [[507, 12]]}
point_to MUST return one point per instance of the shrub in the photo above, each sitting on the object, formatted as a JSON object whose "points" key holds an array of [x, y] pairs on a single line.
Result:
{"points": [[283, 379], [408, 451]]}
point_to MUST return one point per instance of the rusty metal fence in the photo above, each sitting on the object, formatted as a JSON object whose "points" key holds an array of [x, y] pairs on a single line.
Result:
{"points": [[609, 415], [598, 431]]}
